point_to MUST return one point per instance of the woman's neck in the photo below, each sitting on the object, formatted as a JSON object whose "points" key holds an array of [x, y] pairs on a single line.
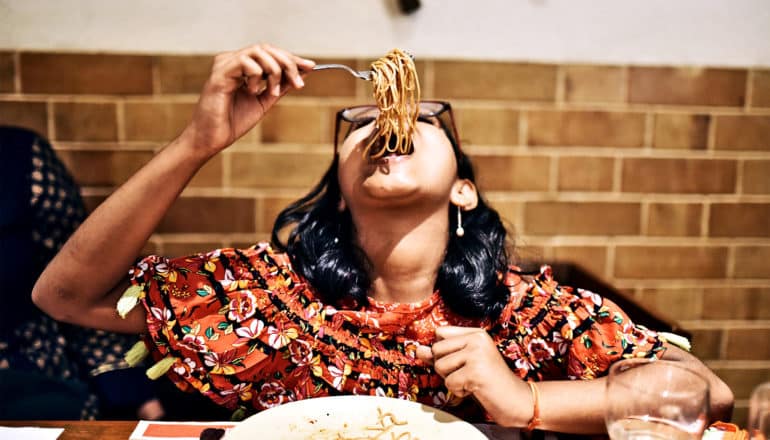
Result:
{"points": [[405, 250]]}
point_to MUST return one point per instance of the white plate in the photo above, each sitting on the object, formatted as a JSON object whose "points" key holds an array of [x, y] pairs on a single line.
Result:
{"points": [[352, 417]]}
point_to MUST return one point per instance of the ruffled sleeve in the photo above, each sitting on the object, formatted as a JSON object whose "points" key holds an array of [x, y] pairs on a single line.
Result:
{"points": [[553, 331], [219, 322]]}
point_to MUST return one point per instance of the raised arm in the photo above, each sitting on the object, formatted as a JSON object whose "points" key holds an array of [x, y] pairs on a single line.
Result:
{"points": [[83, 282]]}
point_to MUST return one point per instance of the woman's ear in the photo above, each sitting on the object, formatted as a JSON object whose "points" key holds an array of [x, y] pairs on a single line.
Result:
{"points": [[464, 195], [341, 206]]}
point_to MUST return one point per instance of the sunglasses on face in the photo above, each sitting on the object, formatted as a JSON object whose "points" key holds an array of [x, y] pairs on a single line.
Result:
{"points": [[437, 113]]}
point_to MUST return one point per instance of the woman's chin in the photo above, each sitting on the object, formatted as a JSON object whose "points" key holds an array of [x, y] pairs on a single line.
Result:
{"points": [[389, 188]]}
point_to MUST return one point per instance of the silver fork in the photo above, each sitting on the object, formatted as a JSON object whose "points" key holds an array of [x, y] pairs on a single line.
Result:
{"points": [[366, 75]]}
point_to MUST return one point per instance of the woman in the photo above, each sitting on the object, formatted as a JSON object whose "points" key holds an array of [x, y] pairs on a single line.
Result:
{"points": [[395, 280]]}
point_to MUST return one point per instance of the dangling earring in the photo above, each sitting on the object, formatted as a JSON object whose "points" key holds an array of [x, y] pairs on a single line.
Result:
{"points": [[459, 231]]}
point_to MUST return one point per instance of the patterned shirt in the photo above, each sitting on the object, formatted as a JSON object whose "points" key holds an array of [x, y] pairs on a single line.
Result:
{"points": [[244, 329]]}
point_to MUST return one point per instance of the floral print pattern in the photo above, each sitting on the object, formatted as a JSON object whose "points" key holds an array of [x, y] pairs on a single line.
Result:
{"points": [[245, 330]]}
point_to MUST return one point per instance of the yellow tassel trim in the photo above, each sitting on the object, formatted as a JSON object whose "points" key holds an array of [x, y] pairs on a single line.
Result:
{"points": [[136, 354], [161, 367], [130, 299], [676, 340]]}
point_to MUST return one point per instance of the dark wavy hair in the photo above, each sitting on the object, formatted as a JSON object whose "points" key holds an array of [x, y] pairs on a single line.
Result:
{"points": [[322, 248]]}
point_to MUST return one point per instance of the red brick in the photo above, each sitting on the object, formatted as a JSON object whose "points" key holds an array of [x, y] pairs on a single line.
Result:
{"points": [[742, 381], [30, 115], [670, 262], [7, 72], [210, 175], [593, 84], [585, 128], [674, 219], [581, 218], [294, 123], [510, 212], [490, 80], [103, 168], [478, 126], [271, 207], [527, 257], [86, 73], [278, 170], [736, 303], [760, 96], [580, 173], [77, 121], [675, 304], [752, 262], [699, 176], [706, 343], [743, 133], [209, 214], [687, 86], [756, 177], [511, 173], [681, 131], [591, 258], [183, 74], [156, 121], [748, 344], [740, 220]]}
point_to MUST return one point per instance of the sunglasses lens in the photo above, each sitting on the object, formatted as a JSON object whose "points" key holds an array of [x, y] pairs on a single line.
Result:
{"points": [[354, 118]]}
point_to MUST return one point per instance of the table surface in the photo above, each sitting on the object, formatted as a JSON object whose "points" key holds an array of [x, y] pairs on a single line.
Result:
{"points": [[82, 429], [122, 429]]}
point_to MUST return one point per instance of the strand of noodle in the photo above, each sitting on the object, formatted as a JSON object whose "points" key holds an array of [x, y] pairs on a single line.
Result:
{"points": [[383, 429], [397, 95]]}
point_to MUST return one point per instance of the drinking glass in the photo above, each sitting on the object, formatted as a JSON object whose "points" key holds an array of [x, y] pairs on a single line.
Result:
{"points": [[759, 413], [655, 399]]}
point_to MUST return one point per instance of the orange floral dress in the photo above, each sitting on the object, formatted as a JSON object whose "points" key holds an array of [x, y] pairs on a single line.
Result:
{"points": [[241, 327]]}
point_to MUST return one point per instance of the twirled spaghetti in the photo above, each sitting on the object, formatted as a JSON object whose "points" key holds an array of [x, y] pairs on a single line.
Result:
{"points": [[397, 94]]}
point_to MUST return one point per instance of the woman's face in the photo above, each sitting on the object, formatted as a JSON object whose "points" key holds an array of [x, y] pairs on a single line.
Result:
{"points": [[426, 175]]}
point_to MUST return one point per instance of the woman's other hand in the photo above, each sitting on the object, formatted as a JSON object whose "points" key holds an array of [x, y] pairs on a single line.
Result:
{"points": [[242, 87], [470, 364]]}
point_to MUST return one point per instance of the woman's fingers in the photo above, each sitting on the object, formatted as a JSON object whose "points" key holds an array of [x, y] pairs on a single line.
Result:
{"points": [[304, 64], [290, 69], [457, 383], [254, 75], [261, 67], [462, 356], [451, 339], [269, 65], [447, 346], [451, 331], [446, 365], [424, 354]]}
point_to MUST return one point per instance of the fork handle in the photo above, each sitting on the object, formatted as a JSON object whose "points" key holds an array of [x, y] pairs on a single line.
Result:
{"points": [[330, 66]]}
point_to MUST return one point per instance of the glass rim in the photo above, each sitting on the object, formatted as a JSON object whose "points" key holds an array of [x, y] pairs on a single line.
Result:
{"points": [[613, 375]]}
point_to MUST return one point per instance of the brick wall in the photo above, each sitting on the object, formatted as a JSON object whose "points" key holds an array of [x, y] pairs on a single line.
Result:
{"points": [[655, 178]]}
